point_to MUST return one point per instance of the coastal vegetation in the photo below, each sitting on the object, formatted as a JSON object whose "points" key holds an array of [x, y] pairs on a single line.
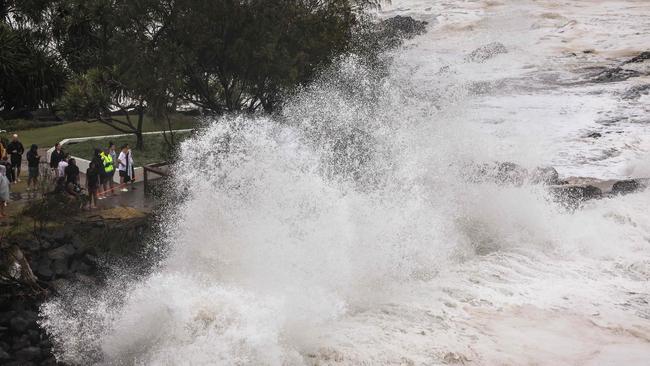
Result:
{"points": [[118, 62]]}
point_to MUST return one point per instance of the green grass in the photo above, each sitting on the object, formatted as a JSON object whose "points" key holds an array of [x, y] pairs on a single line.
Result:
{"points": [[48, 136], [155, 148]]}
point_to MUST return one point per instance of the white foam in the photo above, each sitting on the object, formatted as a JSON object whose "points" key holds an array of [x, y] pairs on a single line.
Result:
{"points": [[346, 232]]}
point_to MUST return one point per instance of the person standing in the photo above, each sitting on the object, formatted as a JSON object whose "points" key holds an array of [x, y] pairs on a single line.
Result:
{"points": [[4, 161], [55, 158], [113, 153], [4, 190], [108, 171], [3, 151], [71, 177], [60, 169], [93, 176], [125, 164], [16, 151], [131, 166], [33, 162]]}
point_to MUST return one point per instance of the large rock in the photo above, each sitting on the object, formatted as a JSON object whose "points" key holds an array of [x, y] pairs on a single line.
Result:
{"points": [[486, 52], [545, 175], [642, 57], [4, 355], [405, 27], [28, 354], [627, 186], [61, 252], [60, 267], [44, 270], [500, 173], [574, 195], [634, 67], [19, 324]]}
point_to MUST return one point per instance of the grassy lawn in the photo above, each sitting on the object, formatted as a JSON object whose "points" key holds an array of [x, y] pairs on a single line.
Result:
{"points": [[155, 148], [48, 136]]}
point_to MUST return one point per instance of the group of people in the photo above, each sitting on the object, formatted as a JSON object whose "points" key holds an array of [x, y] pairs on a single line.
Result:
{"points": [[11, 157], [99, 175]]}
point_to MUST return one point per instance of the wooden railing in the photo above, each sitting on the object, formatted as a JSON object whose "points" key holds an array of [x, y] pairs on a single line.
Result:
{"points": [[154, 169]]}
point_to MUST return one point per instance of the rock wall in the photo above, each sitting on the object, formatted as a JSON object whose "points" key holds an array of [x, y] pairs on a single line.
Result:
{"points": [[72, 251]]}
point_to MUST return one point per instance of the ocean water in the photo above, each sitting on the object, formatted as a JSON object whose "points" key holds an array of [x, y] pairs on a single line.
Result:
{"points": [[347, 232]]}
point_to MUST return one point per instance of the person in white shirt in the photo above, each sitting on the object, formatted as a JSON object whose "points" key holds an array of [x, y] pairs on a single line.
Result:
{"points": [[125, 167], [62, 165]]}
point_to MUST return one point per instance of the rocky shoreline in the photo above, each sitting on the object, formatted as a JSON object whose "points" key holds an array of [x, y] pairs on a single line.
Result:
{"points": [[570, 192], [48, 261]]}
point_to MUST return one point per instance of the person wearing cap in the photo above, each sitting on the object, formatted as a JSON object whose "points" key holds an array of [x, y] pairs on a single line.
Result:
{"points": [[16, 151]]}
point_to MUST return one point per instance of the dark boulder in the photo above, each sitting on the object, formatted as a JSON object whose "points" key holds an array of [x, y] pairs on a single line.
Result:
{"points": [[20, 342], [4, 355], [60, 267], [391, 32], [545, 175], [28, 354], [574, 195], [61, 252], [614, 75], [19, 324], [627, 186], [595, 135], [405, 27], [486, 52], [44, 270], [642, 57]]}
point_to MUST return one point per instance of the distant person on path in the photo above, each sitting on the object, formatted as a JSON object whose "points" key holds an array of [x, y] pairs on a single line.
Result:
{"points": [[33, 162], [108, 171], [55, 158], [4, 190], [125, 166], [16, 151], [93, 177]]}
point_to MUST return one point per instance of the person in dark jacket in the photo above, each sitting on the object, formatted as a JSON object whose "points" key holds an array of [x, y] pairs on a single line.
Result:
{"points": [[93, 176], [33, 162], [16, 151], [56, 157]]}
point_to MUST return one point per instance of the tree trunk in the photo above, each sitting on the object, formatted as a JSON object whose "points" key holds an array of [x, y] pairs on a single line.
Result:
{"points": [[140, 139]]}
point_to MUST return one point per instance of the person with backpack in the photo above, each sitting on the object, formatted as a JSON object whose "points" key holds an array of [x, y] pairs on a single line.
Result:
{"points": [[16, 151], [33, 162]]}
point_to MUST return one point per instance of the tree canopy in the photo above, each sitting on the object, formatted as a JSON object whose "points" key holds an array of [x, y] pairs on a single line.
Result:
{"points": [[94, 58]]}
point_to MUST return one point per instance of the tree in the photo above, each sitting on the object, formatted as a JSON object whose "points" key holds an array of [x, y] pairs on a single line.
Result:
{"points": [[243, 55], [99, 96], [117, 72], [31, 75]]}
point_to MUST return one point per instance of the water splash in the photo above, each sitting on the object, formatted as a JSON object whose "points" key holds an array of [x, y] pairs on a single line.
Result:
{"points": [[345, 231]]}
